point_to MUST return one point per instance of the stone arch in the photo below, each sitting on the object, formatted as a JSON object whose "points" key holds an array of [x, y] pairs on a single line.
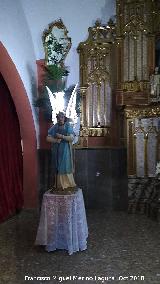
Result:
{"points": [[27, 128]]}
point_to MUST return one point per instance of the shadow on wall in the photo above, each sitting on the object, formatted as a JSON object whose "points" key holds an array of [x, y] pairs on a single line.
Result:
{"points": [[107, 10], [33, 90]]}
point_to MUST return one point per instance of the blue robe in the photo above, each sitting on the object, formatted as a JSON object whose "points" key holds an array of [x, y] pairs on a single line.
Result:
{"points": [[61, 152]]}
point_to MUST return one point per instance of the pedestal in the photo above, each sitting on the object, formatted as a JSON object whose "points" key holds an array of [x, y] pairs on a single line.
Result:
{"points": [[63, 223]]}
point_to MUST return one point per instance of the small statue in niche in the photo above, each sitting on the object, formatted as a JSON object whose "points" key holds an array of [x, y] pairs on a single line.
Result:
{"points": [[155, 85]]}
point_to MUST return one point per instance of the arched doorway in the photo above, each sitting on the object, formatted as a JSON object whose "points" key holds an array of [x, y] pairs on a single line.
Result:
{"points": [[11, 162], [27, 128]]}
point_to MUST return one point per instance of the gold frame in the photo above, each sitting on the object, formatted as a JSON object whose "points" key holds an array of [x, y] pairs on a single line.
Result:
{"points": [[59, 24]]}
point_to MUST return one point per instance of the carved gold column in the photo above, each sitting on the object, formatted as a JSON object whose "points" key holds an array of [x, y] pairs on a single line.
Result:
{"points": [[81, 68], [145, 154], [134, 154], [135, 57], [83, 91], [119, 56], [151, 52], [98, 102], [131, 138]]}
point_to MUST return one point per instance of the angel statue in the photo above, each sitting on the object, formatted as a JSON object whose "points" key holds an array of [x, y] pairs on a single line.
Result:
{"points": [[62, 135]]}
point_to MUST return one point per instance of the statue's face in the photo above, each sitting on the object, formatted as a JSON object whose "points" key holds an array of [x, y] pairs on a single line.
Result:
{"points": [[61, 119]]}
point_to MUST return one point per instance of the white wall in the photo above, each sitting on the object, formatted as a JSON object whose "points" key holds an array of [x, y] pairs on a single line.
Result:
{"points": [[77, 15], [15, 36]]}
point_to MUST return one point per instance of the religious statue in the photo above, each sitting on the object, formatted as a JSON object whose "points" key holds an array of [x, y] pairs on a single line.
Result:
{"points": [[155, 86], [61, 136]]}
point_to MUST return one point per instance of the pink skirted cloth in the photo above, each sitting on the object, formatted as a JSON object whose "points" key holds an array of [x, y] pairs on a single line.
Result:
{"points": [[63, 223]]}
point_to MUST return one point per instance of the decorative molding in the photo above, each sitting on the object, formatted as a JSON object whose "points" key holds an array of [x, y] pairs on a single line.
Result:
{"points": [[95, 131], [146, 111], [135, 86]]}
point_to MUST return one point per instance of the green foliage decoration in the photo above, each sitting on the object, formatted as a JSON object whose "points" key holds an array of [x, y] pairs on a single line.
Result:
{"points": [[54, 72]]}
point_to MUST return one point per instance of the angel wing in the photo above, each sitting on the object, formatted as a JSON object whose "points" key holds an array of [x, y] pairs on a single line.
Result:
{"points": [[72, 114], [57, 103], [52, 99]]}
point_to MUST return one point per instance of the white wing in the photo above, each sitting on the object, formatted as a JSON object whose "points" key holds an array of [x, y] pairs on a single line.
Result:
{"points": [[53, 104], [57, 103], [72, 114]]}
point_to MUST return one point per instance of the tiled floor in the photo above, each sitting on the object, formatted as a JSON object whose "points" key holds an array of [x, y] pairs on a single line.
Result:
{"points": [[119, 245]]}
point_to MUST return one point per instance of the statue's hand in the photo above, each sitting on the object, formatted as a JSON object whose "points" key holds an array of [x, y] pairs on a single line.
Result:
{"points": [[59, 136]]}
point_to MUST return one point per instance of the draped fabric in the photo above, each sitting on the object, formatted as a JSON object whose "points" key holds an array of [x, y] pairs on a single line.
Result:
{"points": [[61, 152], [11, 194], [63, 223], [62, 162]]}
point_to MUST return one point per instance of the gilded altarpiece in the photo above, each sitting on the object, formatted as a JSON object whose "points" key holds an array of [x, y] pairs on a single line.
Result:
{"points": [[143, 142], [137, 32], [95, 84]]}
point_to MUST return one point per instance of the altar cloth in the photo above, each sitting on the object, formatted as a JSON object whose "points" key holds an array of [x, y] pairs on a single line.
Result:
{"points": [[63, 223]]}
